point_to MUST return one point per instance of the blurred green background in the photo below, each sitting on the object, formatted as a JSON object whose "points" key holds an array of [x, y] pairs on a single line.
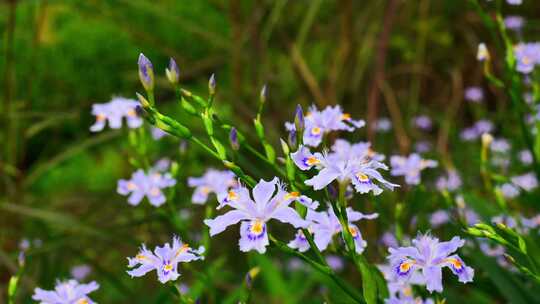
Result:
{"points": [[389, 58]]}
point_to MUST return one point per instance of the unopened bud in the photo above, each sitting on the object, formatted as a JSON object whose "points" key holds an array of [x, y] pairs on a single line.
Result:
{"points": [[146, 72], [299, 122], [172, 72], [482, 53], [487, 139], [212, 85], [264, 94], [233, 138], [284, 147]]}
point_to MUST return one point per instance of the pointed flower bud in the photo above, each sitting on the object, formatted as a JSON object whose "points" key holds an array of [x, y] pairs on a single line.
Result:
{"points": [[250, 276], [212, 84], [233, 138], [482, 53], [284, 147], [299, 122], [263, 94], [146, 73], [144, 102], [292, 138], [21, 259], [172, 72]]}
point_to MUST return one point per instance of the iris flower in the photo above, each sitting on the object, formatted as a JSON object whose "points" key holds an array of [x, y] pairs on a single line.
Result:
{"points": [[270, 201], [67, 292], [213, 181], [428, 256], [164, 260], [113, 112]]}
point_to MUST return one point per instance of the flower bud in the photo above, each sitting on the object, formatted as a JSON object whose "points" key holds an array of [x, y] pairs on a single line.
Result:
{"points": [[146, 73], [144, 102], [212, 84], [233, 138], [487, 139], [21, 259], [250, 276], [292, 139], [264, 94], [172, 72], [482, 53], [299, 122], [284, 147]]}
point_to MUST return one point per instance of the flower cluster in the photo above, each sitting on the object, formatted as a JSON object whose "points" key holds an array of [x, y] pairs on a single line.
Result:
{"points": [[527, 56]]}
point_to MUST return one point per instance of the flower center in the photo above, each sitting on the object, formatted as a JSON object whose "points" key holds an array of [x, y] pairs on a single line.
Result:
{"points": [[404, 267], [312, 160], [140, 257], [100, 117], [154, 191], [362, 177], [257, 227], [345, 116], [526, 60], [131, 113], [131, 186], [456, 264], [82, 301], [292, 195], [316, 131], [232, 196], [168, 267], [353, 231]]}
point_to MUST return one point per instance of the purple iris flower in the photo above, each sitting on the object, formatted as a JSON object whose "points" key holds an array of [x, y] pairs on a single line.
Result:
{"points": [[504, 219], [525, 157], [325, 225], [67, 292], [514, 22], [500, 145], [531, 223], [527, 182], [317, 123], [474, 94], [157, 133], [514, 2], [422, 146], [361, 150], [410, 167], [270, 201], [80, 272], [149, 185], [451, 182], [164, 260], [360, 169], [438, 218], [335, 262], [483, 126], [383, 124], [402, 292], [508, 190], [527, 56], [429, 256], [113, 112], [213, 181], [423, 122]]}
